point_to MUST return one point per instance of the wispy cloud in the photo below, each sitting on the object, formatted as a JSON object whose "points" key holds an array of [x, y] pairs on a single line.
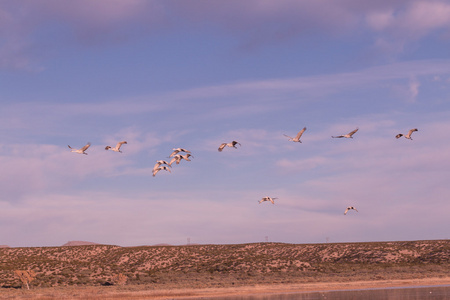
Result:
{"points": [[402, 25], [37, 168], [219, 103], [253, 24]]}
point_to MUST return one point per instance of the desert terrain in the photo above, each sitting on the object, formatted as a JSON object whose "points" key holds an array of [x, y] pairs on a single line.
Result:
{"points": [[161, 272]]}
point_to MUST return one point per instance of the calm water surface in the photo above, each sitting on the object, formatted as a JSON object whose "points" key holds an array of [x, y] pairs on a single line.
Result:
{"points": [[441, 292]]}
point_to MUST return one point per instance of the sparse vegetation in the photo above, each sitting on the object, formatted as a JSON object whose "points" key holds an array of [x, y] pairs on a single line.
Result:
{"points": [[203, 266]]}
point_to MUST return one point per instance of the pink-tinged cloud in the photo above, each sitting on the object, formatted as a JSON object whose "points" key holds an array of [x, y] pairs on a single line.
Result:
{"points": [[380, 20], [98, 21], [25, 26], [423, 16], [35, 169], [413, 20], [252, 23], [256, 23], [398, 26]]}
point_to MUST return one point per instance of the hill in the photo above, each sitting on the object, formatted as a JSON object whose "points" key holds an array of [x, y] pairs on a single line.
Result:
{"points": [[226, 265], [78, 243]]}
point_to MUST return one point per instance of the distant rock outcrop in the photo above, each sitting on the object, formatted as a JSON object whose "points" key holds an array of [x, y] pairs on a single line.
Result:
{"points": [[78, 243], [4, 246]]}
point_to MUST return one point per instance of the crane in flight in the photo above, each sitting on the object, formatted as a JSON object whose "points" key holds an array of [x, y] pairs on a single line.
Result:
{"points": [[348, 135], [117, 148], [82, 150], [232, 144], [297, 138], [408, 136], [159, 169], [176, 150], [267, 199], [160, 162], [177, 158], [349, 208]]}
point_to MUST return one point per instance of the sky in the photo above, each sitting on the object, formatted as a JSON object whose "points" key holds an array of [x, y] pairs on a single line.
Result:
{"points": [[195, 74]]}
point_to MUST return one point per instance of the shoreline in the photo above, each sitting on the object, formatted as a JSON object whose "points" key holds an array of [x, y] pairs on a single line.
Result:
{"points": [[143, 292], [317, 287]]}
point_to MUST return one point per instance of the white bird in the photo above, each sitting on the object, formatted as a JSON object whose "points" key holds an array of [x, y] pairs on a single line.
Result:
{"points": [[348, 135], [117, 148], [267, 199], [177, 158], [176, 150], [297, 138], [232, 144], [82, 150], [160, 162], [408, 136], [159, 169], [349, 208]]}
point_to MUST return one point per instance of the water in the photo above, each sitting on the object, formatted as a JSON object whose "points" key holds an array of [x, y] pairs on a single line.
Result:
{"points": [[409, 293]]}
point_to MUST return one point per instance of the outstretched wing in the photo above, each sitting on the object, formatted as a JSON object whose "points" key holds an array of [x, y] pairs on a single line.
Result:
{"points": [[346, 211], [399, 135], [174, 152], [337, 136], [290, 137], [158, 163], [299, 134], [411, 131], [353, 132], [119, 144], [223, 145], [172, 161], [86, 147], [185, 157], [159, 169]]}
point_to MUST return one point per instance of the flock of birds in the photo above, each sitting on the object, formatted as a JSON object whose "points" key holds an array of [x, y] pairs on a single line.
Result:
{"points": [[177, 156]]}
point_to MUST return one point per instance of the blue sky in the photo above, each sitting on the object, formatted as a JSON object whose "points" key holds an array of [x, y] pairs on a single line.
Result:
{"points": [[195, 74]]}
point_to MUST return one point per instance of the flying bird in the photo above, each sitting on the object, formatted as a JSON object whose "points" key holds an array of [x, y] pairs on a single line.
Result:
{"points": [[232, 144], [117, 148], [408, 136], [160, 162], [349, 208], [176, 150], [159, 169], [267, 199], [82, 150], [177, 158], [348, 135], [297, 138]]}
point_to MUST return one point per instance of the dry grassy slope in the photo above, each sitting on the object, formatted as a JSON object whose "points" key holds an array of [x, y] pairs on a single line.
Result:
{"points": [[161, 264]]}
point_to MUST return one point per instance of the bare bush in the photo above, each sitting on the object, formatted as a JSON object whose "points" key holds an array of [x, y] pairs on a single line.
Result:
{"points": [[25, 276]]}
